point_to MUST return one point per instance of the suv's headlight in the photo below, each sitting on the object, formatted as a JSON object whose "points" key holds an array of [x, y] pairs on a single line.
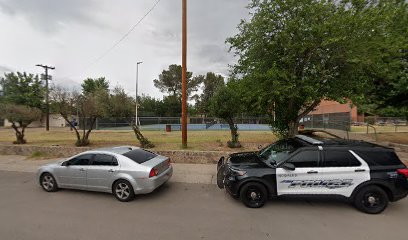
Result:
{"points": [[238, 172]]}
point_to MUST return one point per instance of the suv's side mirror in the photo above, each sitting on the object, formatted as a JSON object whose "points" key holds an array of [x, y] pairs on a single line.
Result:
{"points": [[288, 166]]}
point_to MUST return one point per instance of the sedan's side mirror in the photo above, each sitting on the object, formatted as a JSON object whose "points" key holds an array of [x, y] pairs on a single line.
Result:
{"points": [[66, 163], [289, 166]]}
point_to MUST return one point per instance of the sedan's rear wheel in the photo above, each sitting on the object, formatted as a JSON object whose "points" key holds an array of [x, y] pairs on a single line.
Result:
{"points": [[48, 182], [123, 191]]}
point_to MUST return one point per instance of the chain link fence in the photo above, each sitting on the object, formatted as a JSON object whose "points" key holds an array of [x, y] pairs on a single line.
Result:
{"points": [[161, 123]]}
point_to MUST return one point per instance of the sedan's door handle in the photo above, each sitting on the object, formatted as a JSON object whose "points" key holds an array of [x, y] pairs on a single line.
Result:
{"points": [[111, 170], [82, 169], [359, 170], [312, 172]]}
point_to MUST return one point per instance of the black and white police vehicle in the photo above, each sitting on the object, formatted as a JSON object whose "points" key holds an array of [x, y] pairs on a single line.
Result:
{"points": [[362, 173]]}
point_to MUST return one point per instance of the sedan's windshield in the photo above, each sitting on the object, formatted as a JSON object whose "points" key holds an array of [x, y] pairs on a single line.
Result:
{"points": [[279, 151]]}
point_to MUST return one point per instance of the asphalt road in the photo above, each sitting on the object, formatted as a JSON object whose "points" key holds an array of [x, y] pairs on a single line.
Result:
{"points": [[181, 211]]}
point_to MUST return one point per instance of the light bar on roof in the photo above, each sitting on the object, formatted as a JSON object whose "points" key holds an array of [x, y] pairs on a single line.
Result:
{"points": [[309, 140]]}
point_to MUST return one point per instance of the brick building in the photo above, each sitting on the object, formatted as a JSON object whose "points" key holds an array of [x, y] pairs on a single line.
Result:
{"points": [[332, 114]]}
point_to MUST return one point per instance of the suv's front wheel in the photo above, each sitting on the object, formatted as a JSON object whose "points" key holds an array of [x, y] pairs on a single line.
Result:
{"points": [[371, 199], [253, 195]]}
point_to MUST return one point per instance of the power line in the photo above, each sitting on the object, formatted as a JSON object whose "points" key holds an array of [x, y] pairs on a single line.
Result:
{"points": [[122, 38]]}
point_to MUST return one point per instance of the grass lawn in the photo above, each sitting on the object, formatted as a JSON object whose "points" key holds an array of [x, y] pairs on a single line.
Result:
{"points": [[401, 138], [380, 129], [197, 140]]}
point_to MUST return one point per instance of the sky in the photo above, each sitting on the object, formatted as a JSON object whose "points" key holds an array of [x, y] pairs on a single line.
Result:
{"points": [[72, 34]]}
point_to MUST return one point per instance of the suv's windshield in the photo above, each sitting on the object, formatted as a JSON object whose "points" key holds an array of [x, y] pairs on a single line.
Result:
{"points": [[279, 151]]}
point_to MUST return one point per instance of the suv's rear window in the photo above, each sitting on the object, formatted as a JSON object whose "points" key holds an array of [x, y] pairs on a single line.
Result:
{"points": [[140, 155], [379, 158]]}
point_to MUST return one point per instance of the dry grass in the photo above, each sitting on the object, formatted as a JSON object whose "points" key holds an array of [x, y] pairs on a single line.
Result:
{"points": [[401, 138], [197, 140], [380, 129]]}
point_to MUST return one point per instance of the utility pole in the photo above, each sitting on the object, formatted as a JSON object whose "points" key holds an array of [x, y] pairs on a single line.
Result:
{"points": [[137, 85], [184, 76], [46, 77]]}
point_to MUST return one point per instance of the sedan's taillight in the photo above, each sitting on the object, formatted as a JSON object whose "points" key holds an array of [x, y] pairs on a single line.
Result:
{"points": [[169, 162], [153, 172], [403, 172]]}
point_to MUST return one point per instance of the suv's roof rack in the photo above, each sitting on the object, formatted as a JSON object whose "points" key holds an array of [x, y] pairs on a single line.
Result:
{"points": [[309, 140]]}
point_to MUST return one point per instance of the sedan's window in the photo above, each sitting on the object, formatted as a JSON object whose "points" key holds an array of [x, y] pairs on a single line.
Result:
{"points": [[104, 160], [140, 155], [308, 158], [81, 160]]}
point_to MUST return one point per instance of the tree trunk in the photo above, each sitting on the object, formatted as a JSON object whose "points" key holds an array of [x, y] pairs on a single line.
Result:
{"points": [[144, 142], [292, 128], [234, 143], [19, 134], [78, 136]]}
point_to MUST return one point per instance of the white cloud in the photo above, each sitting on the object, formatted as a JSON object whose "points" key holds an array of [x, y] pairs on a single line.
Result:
{"points": [[71, 34]]}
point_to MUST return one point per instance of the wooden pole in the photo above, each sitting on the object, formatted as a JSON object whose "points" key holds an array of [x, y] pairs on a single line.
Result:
{"points": [[184, 75]]}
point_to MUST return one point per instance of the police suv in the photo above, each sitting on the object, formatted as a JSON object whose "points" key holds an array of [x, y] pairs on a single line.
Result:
{"points": [[362, 173]]}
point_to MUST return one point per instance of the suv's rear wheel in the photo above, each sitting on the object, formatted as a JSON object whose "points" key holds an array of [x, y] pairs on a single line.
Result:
{"points": [[371, 199], [123, 191], [253, 195]]}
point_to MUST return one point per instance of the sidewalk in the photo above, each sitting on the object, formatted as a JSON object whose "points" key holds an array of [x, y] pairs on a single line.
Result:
{"points": [[184, 173]]}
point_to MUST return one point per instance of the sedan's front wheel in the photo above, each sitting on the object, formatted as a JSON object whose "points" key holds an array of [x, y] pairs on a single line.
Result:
{"points": [[123, 191], [48, 182]]}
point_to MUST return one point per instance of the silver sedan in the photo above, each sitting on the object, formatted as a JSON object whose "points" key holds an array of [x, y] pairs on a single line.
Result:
{"points": [[123, 171]]}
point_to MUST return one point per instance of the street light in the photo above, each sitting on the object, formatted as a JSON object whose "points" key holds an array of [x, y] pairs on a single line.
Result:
{"points": [[137, 83]]}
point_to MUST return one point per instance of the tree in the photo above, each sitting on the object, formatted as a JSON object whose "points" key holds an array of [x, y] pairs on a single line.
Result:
{"points": [[211, 83], [91, 85], [122, 106], [89, 106], [22, 89], [170, 81], [21, 101], [225, 104], [20, 117], [294, 53]]}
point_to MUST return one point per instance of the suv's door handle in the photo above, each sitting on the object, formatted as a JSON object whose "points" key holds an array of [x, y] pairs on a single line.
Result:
{"points": [[82, 169], [111, 170], [359, 170], [312, 172]]}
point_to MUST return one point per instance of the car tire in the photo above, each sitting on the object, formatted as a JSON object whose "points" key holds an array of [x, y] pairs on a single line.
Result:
{"points": [[48, 182], [253, 195], [371, 199], [123, 191]]}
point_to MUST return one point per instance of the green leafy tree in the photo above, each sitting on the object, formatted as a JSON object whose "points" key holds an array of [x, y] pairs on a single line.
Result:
{"points": [[122, 106], [21, 101], [91, 85], [226, 104], [294, 53], [211, 83], [23, 89], [170, 81], [150, 106]]}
